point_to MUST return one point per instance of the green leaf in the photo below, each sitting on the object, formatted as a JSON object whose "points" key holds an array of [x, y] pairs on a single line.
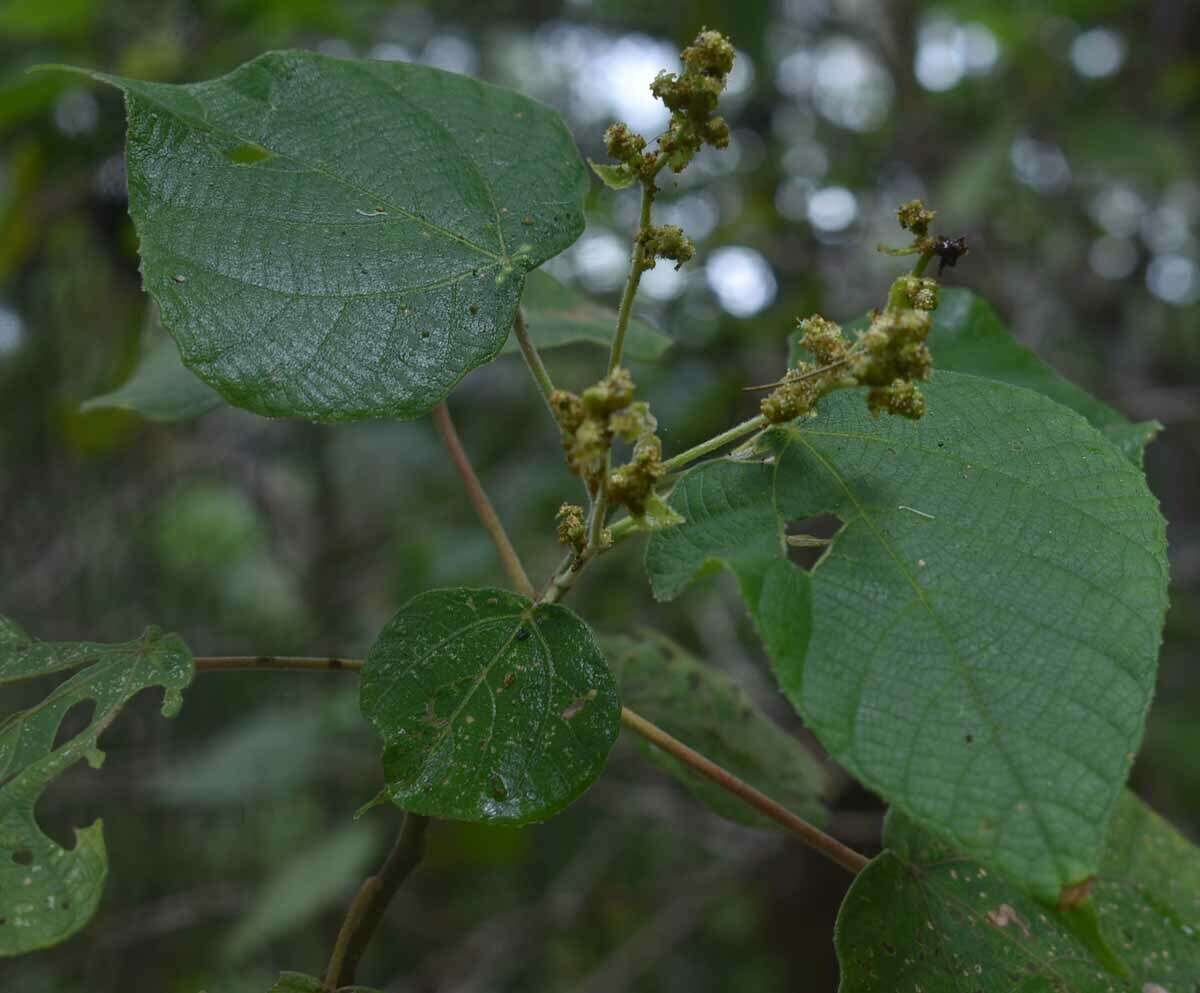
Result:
{"points": [[338, 239], [307, 883], [979, 642], [161, 388], [297, 982], [47, 892], [969, 336], [615, 177], [707, 710], [490, 708], [558, 316], [921, 916]]}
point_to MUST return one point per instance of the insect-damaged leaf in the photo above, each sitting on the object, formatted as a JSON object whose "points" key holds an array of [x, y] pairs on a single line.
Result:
{"points": [[923, 916], [490, 708], [708, 711], [979, 642], [338, 239], [47, 893], [969, 336]]}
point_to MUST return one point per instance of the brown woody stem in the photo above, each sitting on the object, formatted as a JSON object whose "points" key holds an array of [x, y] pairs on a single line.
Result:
{"points": [[479, 499]]}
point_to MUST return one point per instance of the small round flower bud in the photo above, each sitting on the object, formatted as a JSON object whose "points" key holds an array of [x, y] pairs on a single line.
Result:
{"points": [[901, 398], [623, 144], [914, 216], [823, 339], [567, 408]]}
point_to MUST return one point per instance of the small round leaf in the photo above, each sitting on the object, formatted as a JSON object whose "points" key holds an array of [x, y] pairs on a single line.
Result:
{"points": [[490, 708]]}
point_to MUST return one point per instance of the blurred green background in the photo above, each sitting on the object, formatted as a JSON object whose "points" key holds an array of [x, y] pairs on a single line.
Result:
{"points": [[1062, 138]]}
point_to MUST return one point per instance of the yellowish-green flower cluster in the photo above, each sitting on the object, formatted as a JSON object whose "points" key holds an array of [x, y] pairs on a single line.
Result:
{"points": [[692, 97], [663, 241], [589, 423], [890, 357]]}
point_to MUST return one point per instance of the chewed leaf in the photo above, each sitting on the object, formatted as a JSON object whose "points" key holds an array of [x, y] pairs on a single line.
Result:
{"points": [[47, 893], [708, 711], [338, 239], [993, 600], [922, 916], [490, 708]]}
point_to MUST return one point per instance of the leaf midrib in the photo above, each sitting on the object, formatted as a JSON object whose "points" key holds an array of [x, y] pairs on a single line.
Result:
{"points": [[965, 673]]}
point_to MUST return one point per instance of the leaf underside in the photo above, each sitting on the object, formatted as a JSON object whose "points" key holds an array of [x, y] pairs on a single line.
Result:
{"points": [[979, 643], [708, 711], [921, 916], [337, 239], [47, 893], [969, 336], [162, 388], [490, 709]]}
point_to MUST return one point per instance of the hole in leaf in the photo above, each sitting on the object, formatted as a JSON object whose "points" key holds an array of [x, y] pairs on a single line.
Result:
{"points": [[23, 856], [248, 154], [77, 717], [810, 538]]}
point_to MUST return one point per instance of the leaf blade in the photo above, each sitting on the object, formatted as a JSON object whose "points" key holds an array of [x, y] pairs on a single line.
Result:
{"points": [[708, 711], [321, 245], [920, 914], [938, 656], [455, 745], [47, 893]]}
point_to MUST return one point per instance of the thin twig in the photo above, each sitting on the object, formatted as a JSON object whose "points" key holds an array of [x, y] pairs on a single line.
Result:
{"points": [[218, 663], [533, 360], [812, 836], [368, 906], [636, 267], [718, 441], [479, 499]]}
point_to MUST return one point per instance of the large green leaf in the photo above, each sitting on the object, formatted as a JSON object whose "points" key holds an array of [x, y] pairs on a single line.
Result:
{"points": [[969, 336], [557, 315], [337, 239], [161, 388], [921, 916], [707, 710], [47, 892], [490, 708], [979, 643]]}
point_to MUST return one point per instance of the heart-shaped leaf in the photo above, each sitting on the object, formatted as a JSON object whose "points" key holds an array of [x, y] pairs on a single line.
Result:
{"points": [[338, 239], [491, 708], [708, 711], [979, 642], [48, 892], [922, 916]]}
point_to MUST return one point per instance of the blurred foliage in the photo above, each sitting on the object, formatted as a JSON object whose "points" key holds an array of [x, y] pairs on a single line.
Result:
{"points": [[1063, 139]]}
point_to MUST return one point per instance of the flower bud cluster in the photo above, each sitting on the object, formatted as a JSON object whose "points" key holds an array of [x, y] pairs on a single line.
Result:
{"points": [[589, 423], [663, 241], [692, 98], [572, 528]]}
